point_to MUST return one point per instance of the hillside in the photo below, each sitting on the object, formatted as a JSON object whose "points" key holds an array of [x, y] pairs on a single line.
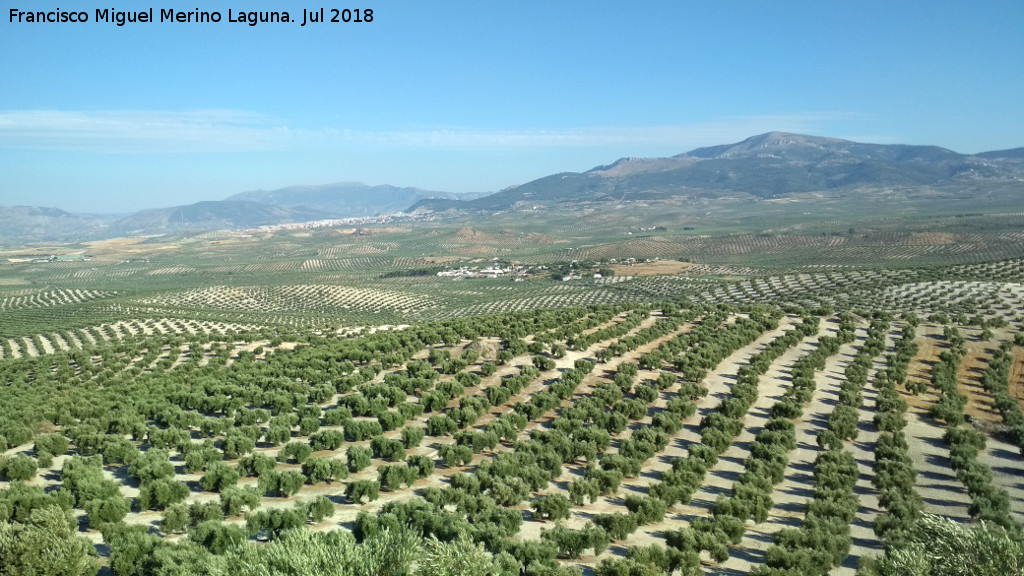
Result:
{"points": [[346, 199], [212, 215], [35, 223], [771, 165], [243, 210], [734, 393]]}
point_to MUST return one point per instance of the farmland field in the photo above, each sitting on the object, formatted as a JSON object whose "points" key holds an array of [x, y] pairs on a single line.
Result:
{"points": [[745, 401]]}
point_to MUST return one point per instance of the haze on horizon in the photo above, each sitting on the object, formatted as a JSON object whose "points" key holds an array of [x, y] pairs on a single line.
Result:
{"points": [[467, 97]]}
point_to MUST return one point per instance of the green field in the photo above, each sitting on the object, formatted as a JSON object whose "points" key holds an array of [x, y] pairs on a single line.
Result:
{"points": [[753, 391]]}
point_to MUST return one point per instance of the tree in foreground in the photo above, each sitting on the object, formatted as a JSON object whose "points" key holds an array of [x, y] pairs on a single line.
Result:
{"points": [[940, 546], [46, 545], [460, 556], [330, 554]]}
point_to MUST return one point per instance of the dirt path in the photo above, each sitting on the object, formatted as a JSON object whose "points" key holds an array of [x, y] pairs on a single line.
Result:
{"points": [[1007, 467], [59, 342], [1017, 375], [718, 383], [48, 347], [937, 484], [797, 487], [347, 513], [862, 532], [980, 404], [771, 388]]}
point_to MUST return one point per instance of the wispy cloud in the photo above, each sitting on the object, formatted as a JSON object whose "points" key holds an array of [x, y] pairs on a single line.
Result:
{"points": [[720, 131], [141, 131], [212, 131]]}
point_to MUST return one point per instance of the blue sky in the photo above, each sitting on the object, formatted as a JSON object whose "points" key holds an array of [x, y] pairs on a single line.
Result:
{"points": [[478, 95]]}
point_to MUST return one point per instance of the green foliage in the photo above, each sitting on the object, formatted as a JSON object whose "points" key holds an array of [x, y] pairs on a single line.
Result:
{"points": [[200, 456], [255, 465], [412, 436], [55, 444], [45, 545], [161, 493], [216, 536], [294, 451], [618, 526], [358, 458], [551, 507], [290, 482], [175, 519], [390, 553], [326, 440], [153, 465], [455, 455], [185, 558], [199, 512], [320, 508], [18, 467], [130, 547], [460, 556], [388, 449], [234, 499], [324, 470], [236, 444], [356, 491], [111, 509], [393, 476], [114, 407], [218, 477], [273, 523], [938, 546]]}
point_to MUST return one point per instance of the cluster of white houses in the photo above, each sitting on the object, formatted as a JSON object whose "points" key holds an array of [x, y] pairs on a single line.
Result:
{"points": [[516, 272], [50, 258], [490, 272], [575, 276]]}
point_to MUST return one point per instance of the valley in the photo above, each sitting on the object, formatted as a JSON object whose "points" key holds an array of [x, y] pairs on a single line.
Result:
{"points": [[704, 386]]}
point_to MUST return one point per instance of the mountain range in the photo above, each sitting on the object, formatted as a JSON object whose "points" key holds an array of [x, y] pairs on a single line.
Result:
{"points": [[771, 165], [347, 199], [243, 210]]}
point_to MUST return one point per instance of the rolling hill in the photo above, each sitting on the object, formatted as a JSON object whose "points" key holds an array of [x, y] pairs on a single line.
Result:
{"points": [[39, 223], [212, 215], [347, 199]]}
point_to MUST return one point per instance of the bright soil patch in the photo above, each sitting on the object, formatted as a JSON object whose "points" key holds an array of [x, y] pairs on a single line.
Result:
{"points": [[119, 248], [979, 401], [1017, 375], [659, 268]]}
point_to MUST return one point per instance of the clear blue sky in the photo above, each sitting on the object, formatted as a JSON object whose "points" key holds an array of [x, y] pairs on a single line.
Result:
{"points": [[478, 95]]}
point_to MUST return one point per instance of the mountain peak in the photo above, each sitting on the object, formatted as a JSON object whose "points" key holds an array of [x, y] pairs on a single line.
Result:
{"points": [[766, 145], [770, 165]]}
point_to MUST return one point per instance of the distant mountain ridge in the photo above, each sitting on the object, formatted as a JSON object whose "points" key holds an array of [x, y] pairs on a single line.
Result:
{"points": [[243, 210], [39, 223], [765, 166], [1011, 153], [212, 215], [347, 199]]}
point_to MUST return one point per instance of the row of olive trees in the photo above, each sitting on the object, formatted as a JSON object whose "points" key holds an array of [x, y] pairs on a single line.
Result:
{"points": [[996, 380], [719, 428], [895, 475], [988, 502], [751, 495]]}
